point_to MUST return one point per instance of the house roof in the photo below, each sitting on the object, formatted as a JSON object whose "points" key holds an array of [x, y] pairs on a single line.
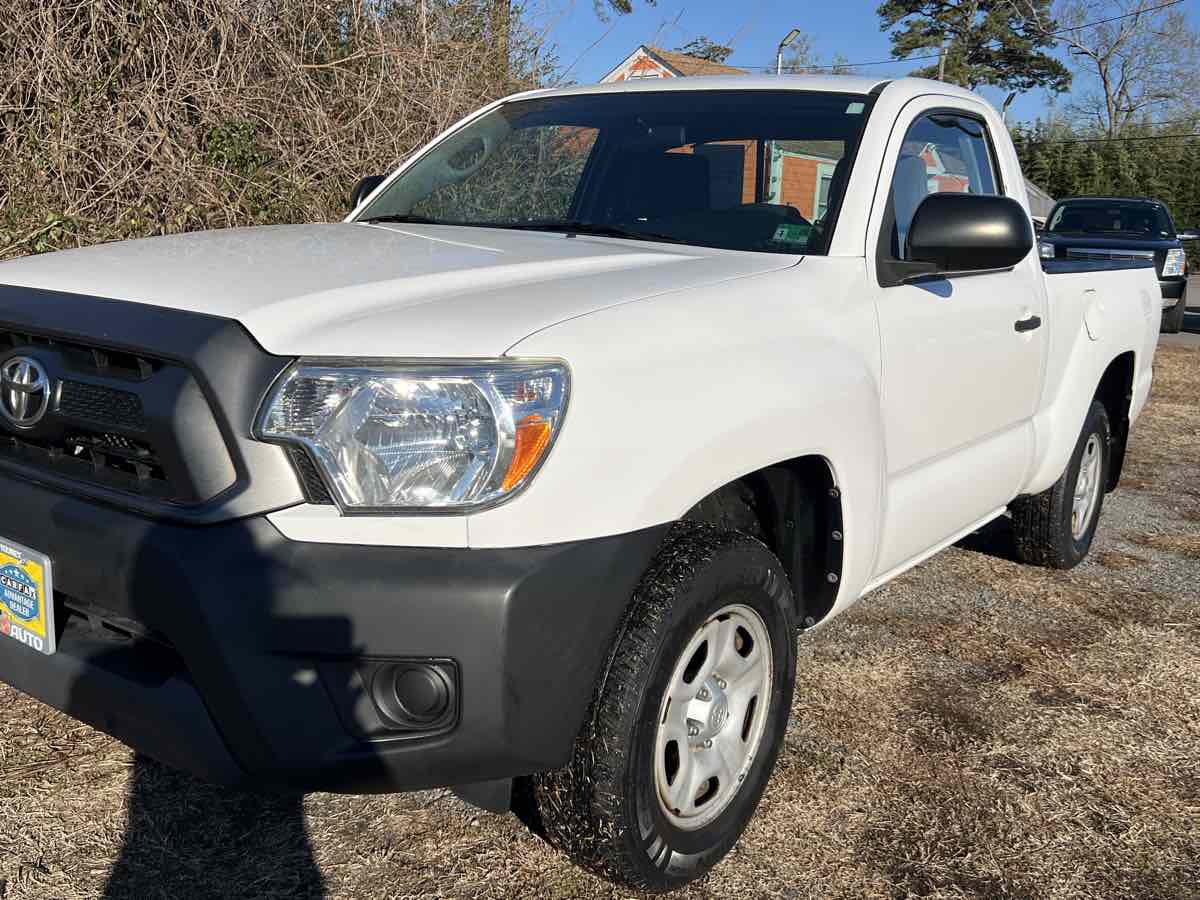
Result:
{"points": [[686, 65]]}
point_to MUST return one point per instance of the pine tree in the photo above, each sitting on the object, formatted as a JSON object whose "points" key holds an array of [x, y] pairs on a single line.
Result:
{"points": [[983, 41]]}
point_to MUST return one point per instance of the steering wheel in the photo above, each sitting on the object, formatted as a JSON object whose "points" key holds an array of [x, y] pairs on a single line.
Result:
{"points": [[782, 211]]}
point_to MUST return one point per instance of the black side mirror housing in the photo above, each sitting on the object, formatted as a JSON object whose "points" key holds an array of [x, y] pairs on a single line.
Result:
{"points": [[955, 234], [1190, 234], [364, 188]]}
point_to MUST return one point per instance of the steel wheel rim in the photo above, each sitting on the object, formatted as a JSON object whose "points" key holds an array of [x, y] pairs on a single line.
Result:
{"points": [[712, 717], [1087, 488]]}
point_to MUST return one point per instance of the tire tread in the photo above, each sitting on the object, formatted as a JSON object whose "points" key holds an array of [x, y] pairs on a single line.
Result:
{"points": [[1040, 522], [580, 806]]}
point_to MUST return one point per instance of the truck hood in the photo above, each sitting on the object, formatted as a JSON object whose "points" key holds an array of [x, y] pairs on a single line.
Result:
{"points": [[353, 289]]}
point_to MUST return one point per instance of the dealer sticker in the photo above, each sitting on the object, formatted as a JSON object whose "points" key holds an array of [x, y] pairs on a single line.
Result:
{"points": [[792, 233], [26, 597]]}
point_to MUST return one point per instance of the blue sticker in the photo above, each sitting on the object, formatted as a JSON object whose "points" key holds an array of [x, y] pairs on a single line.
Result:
{"points": [[19, 593]]}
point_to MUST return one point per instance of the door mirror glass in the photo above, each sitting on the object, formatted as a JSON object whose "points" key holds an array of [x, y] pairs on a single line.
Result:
{"points": [[962, 233]]}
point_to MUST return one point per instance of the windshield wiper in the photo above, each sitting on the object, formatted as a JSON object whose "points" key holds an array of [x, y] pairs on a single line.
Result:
{"points": [[589, 228], [567, 227], [407, 220]]}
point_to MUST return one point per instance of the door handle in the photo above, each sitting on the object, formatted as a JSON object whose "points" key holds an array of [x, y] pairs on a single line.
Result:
{"points": [[1028, 324]]}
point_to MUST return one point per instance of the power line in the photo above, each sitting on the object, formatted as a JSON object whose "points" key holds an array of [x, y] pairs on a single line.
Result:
{"points": [[1147, 137], [1190, 120], [1140, 12], [890, 62], [878, 62]]}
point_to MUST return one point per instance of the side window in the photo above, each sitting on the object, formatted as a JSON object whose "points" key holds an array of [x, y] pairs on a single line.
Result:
{"points": [[941, 152]]}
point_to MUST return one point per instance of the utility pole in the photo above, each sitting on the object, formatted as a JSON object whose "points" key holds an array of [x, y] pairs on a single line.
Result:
{"points": [[942, 59]]}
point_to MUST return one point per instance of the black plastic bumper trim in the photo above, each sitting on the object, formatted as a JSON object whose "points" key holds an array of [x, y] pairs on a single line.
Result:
{"points": [[254, 619], [1173, 289]]}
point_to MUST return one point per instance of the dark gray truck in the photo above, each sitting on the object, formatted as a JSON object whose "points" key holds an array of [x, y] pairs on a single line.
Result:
{"points": [[1124, 228]]}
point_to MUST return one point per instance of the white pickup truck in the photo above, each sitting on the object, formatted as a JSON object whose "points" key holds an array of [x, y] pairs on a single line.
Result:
{"points": [[523, 478]]}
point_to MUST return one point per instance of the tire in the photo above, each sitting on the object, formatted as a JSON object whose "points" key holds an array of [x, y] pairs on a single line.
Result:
{"points": [[1172, 322], [1046, 529], [604, 809]]}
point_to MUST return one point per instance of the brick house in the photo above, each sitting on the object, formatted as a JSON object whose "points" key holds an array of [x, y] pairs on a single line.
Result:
{"points": [[799, 173], [651, 62]]}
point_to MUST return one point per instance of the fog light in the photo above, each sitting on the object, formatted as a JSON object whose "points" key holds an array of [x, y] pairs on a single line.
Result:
{"points": [[417, 695]]}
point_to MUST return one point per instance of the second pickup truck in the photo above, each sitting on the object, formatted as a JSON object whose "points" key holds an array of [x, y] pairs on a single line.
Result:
{"points": [[523, 478]]}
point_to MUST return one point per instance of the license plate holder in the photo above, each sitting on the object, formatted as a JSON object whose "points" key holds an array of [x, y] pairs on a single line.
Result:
{"points": [[26, 597]]}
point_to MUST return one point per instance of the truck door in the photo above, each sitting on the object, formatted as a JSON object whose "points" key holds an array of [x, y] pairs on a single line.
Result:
{"points": [[962, 356]]}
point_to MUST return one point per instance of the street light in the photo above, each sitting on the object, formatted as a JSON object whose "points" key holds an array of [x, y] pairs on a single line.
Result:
{"points": [[1007, 103], [783, 45]]}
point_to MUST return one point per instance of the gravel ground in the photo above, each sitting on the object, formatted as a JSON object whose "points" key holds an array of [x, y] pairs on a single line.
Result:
{"points": [[976, 728]]}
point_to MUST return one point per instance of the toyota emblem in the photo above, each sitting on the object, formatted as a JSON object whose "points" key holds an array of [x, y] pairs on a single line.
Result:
{"points": [[24, 391]]}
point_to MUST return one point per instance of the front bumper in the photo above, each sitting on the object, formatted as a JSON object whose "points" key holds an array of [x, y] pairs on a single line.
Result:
{"points": [[1172, 290], [244, 673]]}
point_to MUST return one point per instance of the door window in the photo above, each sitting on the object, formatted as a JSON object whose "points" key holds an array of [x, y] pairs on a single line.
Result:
{"points": [[942, 152]]}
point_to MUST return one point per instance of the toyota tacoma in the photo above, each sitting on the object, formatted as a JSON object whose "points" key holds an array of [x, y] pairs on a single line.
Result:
{"points": [[525, 478]]}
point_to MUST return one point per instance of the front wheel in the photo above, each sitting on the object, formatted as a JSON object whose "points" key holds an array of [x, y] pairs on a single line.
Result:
{"points": [[686, 725], [1055, 528]]}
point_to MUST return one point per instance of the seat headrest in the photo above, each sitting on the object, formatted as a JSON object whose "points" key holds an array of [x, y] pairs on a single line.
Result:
{"points": [[664, 184]]}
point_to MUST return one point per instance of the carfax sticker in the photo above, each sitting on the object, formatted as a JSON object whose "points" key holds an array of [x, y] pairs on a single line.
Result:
{"points": [[26, 597]]}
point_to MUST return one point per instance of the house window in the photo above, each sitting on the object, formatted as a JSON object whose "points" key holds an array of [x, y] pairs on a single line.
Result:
{"points": [[824, 183]]}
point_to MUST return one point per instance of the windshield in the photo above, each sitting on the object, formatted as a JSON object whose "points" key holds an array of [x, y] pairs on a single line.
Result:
{"points": [[1112, 218], [741, 170]]}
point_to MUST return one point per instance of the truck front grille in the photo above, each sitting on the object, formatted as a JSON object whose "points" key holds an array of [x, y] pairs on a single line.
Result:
{"points": [[107, 460], [1108, 253], [86, 358], [116, 420], [101, 405], [146, 409]]}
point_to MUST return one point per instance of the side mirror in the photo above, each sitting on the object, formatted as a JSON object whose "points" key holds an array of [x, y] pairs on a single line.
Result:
{"points": [[1190, 234], [363, 189], [962, 233]]}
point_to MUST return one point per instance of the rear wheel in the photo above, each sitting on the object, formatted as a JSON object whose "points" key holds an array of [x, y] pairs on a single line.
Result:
{"points": [[1055, 528], [685, 727]]}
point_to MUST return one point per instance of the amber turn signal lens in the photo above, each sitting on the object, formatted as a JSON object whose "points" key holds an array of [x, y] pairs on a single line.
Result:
{"points": [[533, 436]]}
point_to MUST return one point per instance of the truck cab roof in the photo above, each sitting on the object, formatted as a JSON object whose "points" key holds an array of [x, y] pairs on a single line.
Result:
{"points": [[836, 84]]}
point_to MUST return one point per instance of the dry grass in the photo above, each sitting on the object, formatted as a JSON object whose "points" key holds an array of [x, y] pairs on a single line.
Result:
{"points": [[1183, 544], [976, 729], [126, 118]]}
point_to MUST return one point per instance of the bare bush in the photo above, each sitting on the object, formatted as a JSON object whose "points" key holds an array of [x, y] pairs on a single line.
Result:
{"points": [[123, 118]]}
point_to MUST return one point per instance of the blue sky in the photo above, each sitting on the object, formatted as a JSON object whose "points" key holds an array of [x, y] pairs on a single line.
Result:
{"points": [[753, 27]]}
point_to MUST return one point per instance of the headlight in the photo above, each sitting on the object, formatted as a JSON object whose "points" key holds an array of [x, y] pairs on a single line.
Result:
{"points": [[1176, 263], [391, 437], [1046, 251]]}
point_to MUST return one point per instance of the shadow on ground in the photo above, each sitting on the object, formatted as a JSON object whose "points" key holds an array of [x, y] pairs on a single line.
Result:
{"points": [[188, 839], [993, 539]]}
